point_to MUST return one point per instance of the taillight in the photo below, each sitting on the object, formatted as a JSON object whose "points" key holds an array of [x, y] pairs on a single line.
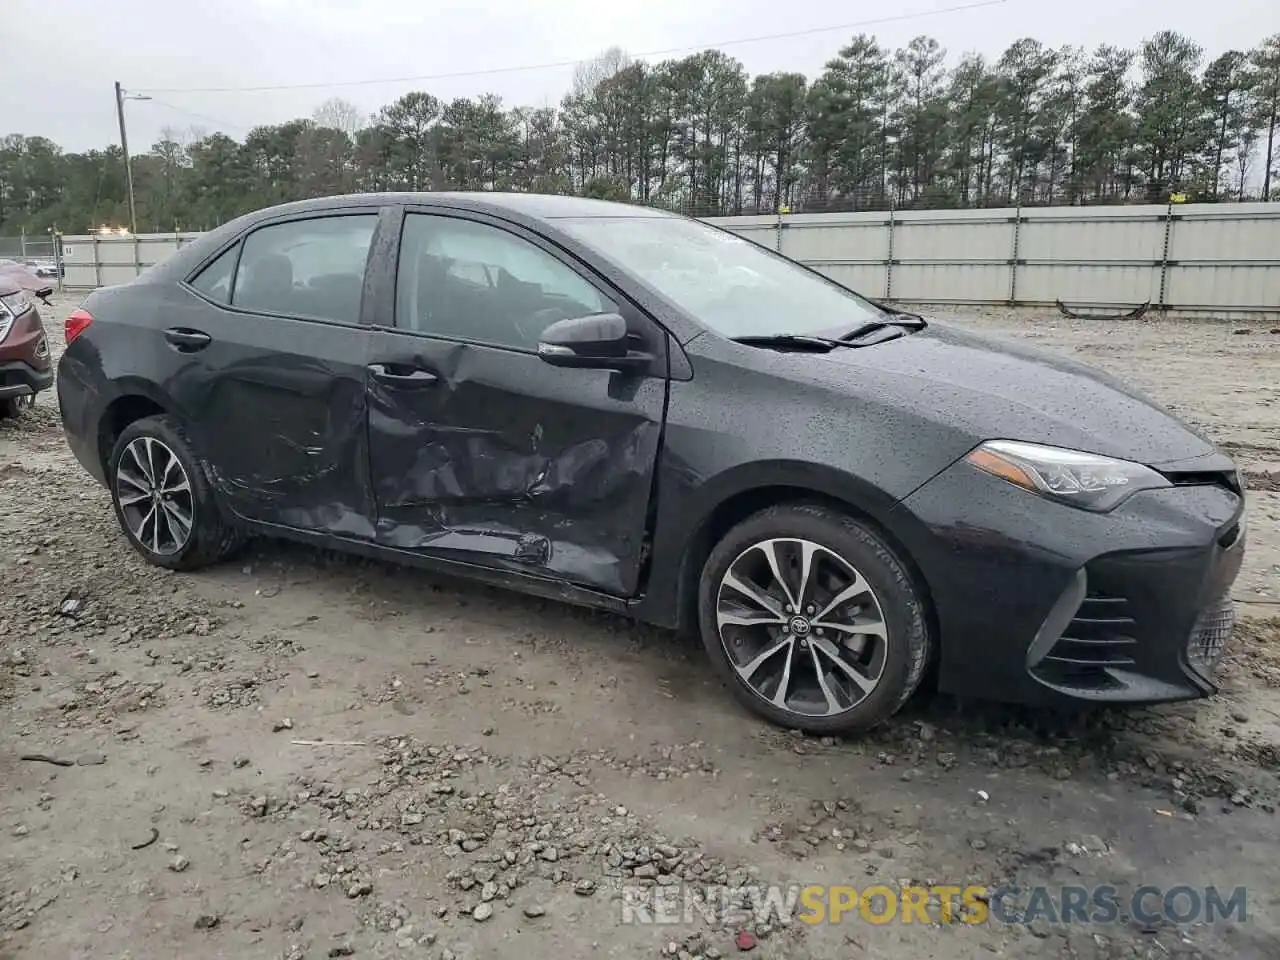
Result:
{"points": [[77, 324]]}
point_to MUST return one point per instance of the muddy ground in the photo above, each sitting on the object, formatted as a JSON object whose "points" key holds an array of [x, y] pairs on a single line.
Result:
{"points": [[302, 755]]}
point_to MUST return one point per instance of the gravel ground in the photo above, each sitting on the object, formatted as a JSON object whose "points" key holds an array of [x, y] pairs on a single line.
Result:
{"points": [[333, 757]]}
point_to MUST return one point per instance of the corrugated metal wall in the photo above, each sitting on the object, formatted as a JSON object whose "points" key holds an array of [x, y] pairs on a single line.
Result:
{"points": [[101, 260], [1220, 258]]}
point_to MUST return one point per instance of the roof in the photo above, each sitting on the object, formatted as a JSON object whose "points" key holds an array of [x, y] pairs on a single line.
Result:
{"points": [[540, 206], [531, 208]]}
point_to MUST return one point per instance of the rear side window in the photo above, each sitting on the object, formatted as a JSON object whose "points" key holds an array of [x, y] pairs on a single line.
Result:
{"points": [[306, 268], [214, 281]]}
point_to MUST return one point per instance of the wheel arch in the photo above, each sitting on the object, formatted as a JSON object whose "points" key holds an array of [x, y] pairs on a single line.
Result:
{"points": [[869, 506], [135, 399]]}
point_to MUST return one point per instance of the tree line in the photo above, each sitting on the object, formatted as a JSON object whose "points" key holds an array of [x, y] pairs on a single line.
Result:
{"points": [[876, 128]]}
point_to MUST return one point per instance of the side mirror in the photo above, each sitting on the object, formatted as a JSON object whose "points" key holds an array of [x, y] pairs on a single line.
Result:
{"points": [[599, 341]]}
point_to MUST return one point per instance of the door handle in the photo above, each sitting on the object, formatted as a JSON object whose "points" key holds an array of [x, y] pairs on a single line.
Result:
{"points": [[402, 376], [187, 340]]}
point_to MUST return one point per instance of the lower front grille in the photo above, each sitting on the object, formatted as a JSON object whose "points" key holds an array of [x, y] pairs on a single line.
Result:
{"points": [[1208, 640], [1100, 637]]}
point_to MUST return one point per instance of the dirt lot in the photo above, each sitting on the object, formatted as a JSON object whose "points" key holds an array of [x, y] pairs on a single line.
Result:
{"points": [[339, 758]]}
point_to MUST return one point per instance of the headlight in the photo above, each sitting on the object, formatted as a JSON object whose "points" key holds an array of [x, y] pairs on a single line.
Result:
{"points": [[16, 304], [1086, 480], [12, 306]]}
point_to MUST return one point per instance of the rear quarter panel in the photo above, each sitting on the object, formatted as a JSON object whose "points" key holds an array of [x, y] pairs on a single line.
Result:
{"points": [[120, 356]]}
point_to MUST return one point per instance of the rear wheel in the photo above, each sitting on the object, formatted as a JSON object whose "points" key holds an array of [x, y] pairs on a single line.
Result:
{"points": [[812, 621], [163, 500]]}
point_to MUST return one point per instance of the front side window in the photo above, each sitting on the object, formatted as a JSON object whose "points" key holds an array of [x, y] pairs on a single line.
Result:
{"points": [[730, 285], [306, 268], [468, 280]]}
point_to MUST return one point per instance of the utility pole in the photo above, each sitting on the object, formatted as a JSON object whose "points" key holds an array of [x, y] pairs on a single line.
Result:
{"points": [[121, 96], [128, 168]]}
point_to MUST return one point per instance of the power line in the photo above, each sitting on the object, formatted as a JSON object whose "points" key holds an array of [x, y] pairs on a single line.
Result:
{"points": [[200, 116], [571, 63]]}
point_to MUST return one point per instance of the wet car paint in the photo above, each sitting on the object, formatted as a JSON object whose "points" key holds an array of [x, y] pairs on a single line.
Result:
{"points": [[997, 387], [515, 461], [283, 432], [996, 566], [501, 459], [609, 489]]}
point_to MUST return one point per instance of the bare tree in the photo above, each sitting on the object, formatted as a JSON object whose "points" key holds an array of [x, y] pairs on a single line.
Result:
{"points": [[183, 136], [338, 114], [589, 74]]}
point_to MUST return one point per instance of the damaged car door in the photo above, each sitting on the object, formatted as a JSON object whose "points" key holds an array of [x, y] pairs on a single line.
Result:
{"points": [[272, 380], [480, 451]]}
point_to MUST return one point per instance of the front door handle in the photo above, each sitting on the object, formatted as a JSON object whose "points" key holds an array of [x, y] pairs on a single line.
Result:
{"points": [[186, 339], [405, 377]]}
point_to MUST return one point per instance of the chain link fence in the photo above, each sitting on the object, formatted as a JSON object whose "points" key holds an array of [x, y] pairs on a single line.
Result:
{"points": [[41, 254]]}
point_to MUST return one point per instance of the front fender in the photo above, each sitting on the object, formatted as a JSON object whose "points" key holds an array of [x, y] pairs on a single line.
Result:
{"points": [[690, 519]]}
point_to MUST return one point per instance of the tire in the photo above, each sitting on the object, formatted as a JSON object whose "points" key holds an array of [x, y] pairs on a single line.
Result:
{"points": [[879, 668], [208, 537], [14, 407]]}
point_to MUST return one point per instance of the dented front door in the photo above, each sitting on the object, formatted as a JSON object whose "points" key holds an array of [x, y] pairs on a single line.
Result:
{"points": [[482, 452]]}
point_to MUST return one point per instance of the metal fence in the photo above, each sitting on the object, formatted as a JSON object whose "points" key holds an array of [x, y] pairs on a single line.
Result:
{"points": [[101, 260], [28, 248], [1191, 258]]}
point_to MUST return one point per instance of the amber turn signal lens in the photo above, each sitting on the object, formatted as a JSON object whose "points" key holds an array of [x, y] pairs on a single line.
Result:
{"points": [[996, 465]]}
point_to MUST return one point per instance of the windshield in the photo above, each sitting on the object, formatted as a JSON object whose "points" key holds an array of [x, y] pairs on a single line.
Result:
{"points": [[735, 287]]}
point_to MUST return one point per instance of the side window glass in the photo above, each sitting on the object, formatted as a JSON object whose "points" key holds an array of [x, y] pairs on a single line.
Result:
{"points": [[214, 281], [306, 268], [469, 280]]}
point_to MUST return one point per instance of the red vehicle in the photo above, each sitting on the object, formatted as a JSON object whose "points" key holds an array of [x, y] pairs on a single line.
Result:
{"points": [[25, 365]]}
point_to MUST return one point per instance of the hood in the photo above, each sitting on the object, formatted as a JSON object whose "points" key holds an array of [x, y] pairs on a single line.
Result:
{"points": [[996, 388], [15, 277]]}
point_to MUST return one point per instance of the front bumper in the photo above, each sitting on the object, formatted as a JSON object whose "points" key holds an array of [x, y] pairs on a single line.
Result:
{"points": [[1038, 602], [25, 365], [19, 379]]}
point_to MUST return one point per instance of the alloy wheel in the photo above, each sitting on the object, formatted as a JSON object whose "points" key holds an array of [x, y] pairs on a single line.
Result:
{"points": [[802, 627], [155, 496]]}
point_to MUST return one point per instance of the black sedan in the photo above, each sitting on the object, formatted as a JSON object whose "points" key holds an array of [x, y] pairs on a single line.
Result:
{"points": [[646, 414]]}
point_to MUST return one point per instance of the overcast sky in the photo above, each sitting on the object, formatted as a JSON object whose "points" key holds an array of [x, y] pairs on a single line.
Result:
{"points": [[71, 51]]}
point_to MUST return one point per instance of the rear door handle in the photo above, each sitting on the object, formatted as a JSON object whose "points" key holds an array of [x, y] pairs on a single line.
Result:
{"points": [[405, 377], [186, 339]]}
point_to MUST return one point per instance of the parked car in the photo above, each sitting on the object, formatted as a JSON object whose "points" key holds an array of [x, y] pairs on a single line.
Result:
{"points": [[20, 275], [46, 268], [646, 414], [25, 365], [41, 269]]}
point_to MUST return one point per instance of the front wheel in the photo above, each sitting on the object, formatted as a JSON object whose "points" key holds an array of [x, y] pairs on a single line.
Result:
{"points": [[162, 499], [812, 621], [12, 408]]}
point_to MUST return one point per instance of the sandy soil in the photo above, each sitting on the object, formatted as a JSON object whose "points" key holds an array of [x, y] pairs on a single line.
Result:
{"points": [[331, 757]]}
